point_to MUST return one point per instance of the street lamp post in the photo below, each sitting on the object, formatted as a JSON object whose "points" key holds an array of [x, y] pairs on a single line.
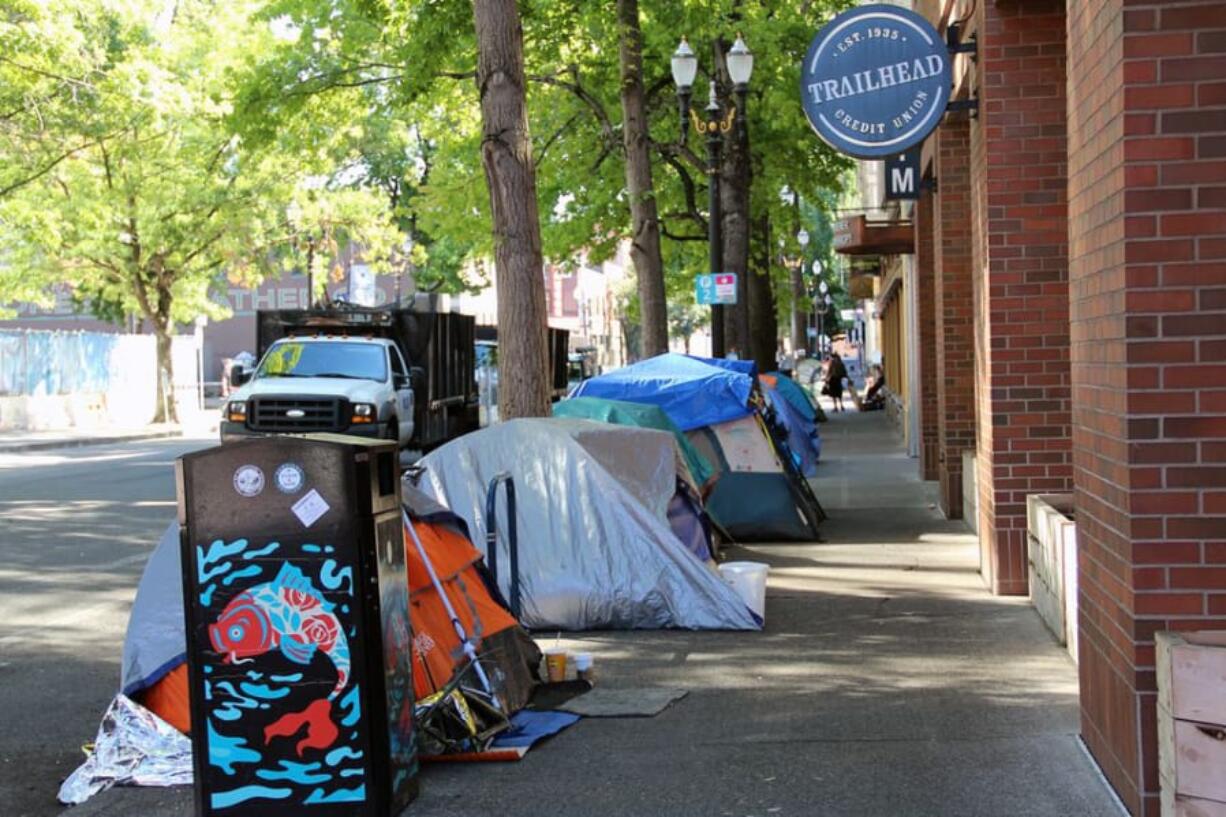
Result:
{"points": [[714, 127], [825, 301]]}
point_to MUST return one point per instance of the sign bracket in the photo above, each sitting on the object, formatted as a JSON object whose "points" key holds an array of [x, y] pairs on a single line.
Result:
{"points": [[969, 105], [953, 41]]}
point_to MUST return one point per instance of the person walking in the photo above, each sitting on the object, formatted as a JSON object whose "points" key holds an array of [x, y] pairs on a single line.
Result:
{"points": [[836, 373]]}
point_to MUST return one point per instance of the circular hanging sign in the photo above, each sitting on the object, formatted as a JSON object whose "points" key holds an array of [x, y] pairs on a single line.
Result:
{"points": [[875, 81]]}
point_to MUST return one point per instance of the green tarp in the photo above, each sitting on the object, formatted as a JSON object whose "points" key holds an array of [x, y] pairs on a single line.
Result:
{"points": [[641, 415]]}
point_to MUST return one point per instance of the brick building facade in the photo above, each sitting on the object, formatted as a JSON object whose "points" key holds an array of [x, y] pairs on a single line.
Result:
{"points": [[1071, 272]]}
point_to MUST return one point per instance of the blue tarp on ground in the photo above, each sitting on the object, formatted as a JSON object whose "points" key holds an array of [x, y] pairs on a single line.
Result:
{"points": [[692, 392]]}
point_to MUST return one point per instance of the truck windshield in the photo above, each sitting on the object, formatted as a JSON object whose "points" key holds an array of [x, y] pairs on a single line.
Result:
{"points": [[359, 361]]}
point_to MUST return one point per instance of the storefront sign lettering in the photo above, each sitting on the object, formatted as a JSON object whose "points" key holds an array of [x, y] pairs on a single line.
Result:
{"points": [[875, 81]]}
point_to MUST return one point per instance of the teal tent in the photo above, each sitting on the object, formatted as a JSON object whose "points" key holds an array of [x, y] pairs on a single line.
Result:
{"points": [[640, 415]]}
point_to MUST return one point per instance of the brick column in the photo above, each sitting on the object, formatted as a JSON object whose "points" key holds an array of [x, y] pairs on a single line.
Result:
{"points": [[1147, 207], [925, 281], [955, 340], [1019, 179]]}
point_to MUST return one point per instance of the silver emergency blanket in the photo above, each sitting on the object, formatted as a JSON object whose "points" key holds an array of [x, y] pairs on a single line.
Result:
{"points": [[134, 747], [595, 547]]}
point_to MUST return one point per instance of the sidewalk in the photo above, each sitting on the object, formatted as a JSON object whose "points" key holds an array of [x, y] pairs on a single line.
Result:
{"points": [[199, 424], [887, 682]]}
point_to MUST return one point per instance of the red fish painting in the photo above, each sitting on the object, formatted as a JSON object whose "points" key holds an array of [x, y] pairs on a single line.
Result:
{"points": [[290, 615]]}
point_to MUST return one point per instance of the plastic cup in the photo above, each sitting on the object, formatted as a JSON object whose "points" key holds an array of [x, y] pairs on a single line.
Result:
{"points": [[555, 665], [583, 666]]}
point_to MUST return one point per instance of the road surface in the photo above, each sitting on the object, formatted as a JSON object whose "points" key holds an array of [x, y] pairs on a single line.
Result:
{"points": [[76, 526]]}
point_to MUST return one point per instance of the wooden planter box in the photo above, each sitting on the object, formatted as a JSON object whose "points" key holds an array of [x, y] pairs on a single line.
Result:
{"points": [[1052, 553], [1192, 723]]}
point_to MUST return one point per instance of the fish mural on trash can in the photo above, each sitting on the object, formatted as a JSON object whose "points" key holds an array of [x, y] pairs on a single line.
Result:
{"points": [[278, 644], [288, 614]]}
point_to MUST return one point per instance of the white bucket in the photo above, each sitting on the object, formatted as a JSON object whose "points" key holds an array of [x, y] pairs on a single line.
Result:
{"points": [[748, 579]]}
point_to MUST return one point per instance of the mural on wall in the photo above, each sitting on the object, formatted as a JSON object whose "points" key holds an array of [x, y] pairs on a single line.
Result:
{"points": [[284, 719]]}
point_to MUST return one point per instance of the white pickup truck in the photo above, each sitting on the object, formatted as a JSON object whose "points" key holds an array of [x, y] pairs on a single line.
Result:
{"points": [[338, 383]]}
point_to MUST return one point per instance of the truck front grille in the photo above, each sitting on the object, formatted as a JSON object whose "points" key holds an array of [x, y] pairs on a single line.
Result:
{"points": [[297, 414]]}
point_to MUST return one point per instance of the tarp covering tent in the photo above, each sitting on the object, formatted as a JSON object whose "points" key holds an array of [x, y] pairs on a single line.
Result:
{"points": [[692, 392], [596, 550], [640, 415], [802, 435], [797, 395], [721, 415]]}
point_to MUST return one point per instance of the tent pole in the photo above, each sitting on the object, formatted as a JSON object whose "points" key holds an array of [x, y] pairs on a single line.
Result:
{"points": [[465, 642]]}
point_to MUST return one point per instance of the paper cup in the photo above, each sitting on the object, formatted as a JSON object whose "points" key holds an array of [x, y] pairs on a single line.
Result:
{"points": [[555, 665]]}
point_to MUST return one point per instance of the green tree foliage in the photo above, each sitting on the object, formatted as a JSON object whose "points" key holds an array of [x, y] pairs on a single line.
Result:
{"points": [[124, 181]]}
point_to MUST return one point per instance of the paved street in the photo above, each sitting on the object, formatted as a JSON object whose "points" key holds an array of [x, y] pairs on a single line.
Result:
{"points": [[887, 682], [76, 526]]}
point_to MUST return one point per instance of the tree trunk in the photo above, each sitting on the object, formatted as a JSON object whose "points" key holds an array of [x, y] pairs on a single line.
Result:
{"points": [[797, 281], [645, 245], [764, 330], [510, 174], [735, 179], [166, 411]]}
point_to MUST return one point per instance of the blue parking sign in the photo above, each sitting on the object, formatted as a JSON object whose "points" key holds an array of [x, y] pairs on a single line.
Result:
{"points": [[715, 289]]}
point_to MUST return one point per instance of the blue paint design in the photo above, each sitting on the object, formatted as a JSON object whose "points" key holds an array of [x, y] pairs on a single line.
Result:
{"points": [[232, 708], [332, 578], [253, 675], [225, 799], [355, 795], [337, 755], [286, 679], [302, 773], [226, 751], [207, 669], [246, 572], [310, 549], [217, 551], [263, 691], [329, 549], [208, 689], [344, 608], [264, 551], [206, 595], [352, 772], [353, 704], [353, 735]]}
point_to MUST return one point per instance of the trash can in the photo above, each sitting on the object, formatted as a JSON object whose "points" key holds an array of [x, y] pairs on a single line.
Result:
{"points": [[298, 639]]}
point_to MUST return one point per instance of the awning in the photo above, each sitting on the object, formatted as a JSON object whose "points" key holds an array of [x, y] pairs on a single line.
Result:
{"points": [[856, 235]]}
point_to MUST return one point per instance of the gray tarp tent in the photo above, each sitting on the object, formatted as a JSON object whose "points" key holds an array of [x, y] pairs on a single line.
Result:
{"points": [[595, 547]]}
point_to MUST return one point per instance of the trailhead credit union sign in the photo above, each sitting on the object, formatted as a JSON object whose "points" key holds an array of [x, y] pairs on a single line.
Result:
{"points": [[875, 81]]}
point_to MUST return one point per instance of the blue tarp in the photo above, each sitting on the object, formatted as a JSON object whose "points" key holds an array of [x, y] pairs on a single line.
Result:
{"points": [[692, 392], [745, 367], [795, 394], [803, 440]]}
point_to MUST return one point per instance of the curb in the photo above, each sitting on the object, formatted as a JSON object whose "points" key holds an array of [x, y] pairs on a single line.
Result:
{"points": [[79, 442]]}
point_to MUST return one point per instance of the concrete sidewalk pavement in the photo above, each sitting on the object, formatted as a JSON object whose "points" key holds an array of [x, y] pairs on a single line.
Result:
{"points": [[888, 681], [15, 442]]}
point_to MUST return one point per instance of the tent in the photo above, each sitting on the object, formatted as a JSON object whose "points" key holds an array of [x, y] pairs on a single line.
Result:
{"points": [[640, 415], [154, 673], [692, 392], [796, 395], [801, 432], [760, 493], [596, 549]]}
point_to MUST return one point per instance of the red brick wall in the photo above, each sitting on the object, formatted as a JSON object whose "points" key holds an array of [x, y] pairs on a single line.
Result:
{"points": [[1147, 192], [1019, 183], [955, 346], [926, 337]]}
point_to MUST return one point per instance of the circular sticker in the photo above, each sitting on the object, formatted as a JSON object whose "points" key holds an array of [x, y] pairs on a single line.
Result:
{"points": [[289, 478], [249, 480]]}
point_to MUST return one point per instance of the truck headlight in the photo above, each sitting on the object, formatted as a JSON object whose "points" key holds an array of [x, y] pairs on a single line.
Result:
{"points": [[236, 411], [363, 413]]}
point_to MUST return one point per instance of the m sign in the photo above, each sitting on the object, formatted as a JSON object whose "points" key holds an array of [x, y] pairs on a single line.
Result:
{"points": [[875, 81]]}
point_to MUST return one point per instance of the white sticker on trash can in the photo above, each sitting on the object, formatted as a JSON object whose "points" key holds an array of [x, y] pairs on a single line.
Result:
{"points": [[310, 508]]}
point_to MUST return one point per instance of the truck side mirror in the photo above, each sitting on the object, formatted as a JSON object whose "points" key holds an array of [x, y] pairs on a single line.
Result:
{"points": [[238, 376], [417, 378]]}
